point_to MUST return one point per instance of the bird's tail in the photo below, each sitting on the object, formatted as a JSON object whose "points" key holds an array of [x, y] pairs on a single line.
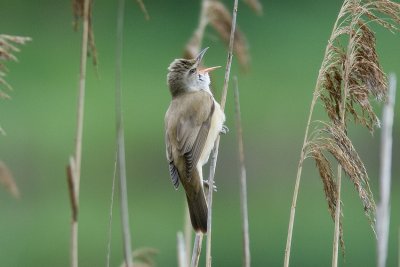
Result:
{"points": [[198, 211]]}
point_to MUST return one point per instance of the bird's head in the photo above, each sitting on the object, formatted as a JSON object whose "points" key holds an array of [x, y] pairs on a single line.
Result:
{"points": [[185, 75]]}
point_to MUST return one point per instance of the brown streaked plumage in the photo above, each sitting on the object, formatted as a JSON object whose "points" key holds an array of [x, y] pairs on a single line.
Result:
{"points": [[192, 123]]}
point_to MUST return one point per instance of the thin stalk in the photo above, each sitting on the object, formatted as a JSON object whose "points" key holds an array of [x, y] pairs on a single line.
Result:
{"points": [[213, 164], [383, 210], [196, 250], [182, 261], [75, 163], [297, 185], [120, 138], [335, 253], [111, 214], [243, 181], [229, 59], [187, 234], [143, 8], [81, 99], [338, 211], [303, 150], [216, 145], [184, 240]]}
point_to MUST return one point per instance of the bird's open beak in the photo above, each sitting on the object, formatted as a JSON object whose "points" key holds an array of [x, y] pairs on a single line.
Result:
{"points": [[198, 61], [209, 69]]}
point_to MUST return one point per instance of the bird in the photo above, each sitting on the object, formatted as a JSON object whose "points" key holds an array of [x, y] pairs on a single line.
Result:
{"points": [[193, 122]]}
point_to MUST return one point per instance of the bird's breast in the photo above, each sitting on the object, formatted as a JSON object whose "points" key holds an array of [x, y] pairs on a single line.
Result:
{"points": [[217, 121]]}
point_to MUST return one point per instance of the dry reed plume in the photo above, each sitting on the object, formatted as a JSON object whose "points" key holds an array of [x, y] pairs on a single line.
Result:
{"points": [[7, 180], [349, 77], [7, 50], [8, 47], [78, 12], [217, 15]]}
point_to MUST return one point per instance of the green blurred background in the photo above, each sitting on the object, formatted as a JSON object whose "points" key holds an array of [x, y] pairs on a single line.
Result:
{"points": [[286, 45]]}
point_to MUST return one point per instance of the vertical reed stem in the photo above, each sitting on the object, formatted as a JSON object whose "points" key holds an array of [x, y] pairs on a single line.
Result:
{"points": [[75, 164], [383, 209], [338, 211], [111, 214], [398, 247], [196, 250], [243, 182], [187, 234], [297, 185], [181, 247], [335, 252], [120, 138], [216, 145]]}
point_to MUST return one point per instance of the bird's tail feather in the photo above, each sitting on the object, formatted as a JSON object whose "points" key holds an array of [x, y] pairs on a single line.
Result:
{"points": [[198, 211]]}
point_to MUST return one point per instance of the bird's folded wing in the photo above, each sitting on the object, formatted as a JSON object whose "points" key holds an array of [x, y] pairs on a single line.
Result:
{"points": [[173, 171], [194, 112], [193, 128]]}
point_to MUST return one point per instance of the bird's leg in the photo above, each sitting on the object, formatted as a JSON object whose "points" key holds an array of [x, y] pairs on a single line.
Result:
{"points": [[224, 129]]}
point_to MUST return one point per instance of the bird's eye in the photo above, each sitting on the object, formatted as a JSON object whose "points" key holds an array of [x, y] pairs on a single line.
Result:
{"points": [[191, 71]]}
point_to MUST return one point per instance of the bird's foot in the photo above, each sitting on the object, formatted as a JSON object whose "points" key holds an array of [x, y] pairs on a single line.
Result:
{"points": [[224, 129], [206, 184]]}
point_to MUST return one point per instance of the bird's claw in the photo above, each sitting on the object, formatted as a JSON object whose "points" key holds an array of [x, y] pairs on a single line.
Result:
{"points": [[206, 184], [224, 129]]}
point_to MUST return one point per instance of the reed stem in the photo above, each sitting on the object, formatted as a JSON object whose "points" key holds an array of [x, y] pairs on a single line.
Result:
{"points": [[120, 138], [216, 145], [243, 180], [383, 209], [74, 167]]}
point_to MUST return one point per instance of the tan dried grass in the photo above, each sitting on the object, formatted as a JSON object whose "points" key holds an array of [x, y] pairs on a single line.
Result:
{"points": [[78, 12], [349, 79], [7, 180]]}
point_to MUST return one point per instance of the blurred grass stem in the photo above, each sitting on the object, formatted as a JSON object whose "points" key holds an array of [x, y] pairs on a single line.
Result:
{"points": [[182, 261], [111, 214], [297, 185], [335, 252], [383, 209], [143, 8], [74, 167], [243, 181], [214, 156], [187, 235], [196, 250], [120, 138]]}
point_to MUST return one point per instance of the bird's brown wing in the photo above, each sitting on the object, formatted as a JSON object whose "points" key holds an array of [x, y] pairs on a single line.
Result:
{"points": [[192, 143], [193, 112]]}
